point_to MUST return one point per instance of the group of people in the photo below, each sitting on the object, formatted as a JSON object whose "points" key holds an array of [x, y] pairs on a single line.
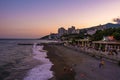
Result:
{"points": [[68, 69], [112, 52]]}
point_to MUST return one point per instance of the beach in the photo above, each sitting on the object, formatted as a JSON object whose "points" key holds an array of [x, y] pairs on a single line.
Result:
{"points": [[60, 63], [84, 67]]}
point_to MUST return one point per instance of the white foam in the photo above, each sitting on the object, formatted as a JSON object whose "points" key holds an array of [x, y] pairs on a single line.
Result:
{"points": [[40, 72]]}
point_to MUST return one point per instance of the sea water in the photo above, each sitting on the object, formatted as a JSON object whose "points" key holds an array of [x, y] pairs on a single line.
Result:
{"points": [[40, 72], [11, 52]]}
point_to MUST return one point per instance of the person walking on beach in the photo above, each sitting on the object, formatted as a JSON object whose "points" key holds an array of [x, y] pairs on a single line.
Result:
{"points": [[65, 68], [102, 63]]}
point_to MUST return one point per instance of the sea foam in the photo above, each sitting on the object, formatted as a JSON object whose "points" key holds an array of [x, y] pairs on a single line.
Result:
{"points": [[40, 72]]}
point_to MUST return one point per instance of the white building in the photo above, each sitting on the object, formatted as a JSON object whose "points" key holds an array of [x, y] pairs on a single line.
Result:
{"points": [[76, 31], [71, 30], [61, 31], [91, 31]]}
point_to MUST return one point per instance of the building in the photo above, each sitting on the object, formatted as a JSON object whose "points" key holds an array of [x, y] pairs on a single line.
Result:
{"points": [[91, 31], [76, 31], [71, 30], [61, 31]]}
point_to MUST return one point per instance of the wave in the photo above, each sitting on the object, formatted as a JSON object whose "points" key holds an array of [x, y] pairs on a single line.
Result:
{"points": [[40, 72]]}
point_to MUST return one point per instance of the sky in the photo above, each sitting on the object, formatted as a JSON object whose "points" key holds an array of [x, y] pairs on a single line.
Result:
{"points": [[37, 18]]}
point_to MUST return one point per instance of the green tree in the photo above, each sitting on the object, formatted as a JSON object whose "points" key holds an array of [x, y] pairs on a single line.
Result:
{"points": [[98, 35], [116, 35]]}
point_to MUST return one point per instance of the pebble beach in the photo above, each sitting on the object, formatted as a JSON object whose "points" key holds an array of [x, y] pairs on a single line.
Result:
{"points": [[84, 67]]}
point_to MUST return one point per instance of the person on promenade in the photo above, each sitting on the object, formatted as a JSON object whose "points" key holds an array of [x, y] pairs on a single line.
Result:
{"points": [[102, 63], [115, 52], [110, 52]]}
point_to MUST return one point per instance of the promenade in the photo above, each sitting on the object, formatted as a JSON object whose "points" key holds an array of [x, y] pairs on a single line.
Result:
{"points": [[97, 53]]}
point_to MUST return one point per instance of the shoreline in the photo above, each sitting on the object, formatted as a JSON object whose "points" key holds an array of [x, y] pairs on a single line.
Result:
{"points": [[58, 65], [42, 71]]}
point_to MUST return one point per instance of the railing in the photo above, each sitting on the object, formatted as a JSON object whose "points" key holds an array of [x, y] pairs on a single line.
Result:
{"points": [[97, 54]]}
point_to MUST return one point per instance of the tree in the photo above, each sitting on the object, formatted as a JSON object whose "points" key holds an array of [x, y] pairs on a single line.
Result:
{"points": [[98, 35], [116, 35]]}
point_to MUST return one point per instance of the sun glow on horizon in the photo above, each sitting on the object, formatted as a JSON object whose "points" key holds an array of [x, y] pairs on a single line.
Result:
{"points": [[34, 19]]}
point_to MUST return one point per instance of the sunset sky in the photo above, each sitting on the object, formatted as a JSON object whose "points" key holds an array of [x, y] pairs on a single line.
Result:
{"points": [[36, 18]]}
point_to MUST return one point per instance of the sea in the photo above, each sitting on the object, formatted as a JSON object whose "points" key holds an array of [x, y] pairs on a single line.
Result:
{"points": [[11, 52]]}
